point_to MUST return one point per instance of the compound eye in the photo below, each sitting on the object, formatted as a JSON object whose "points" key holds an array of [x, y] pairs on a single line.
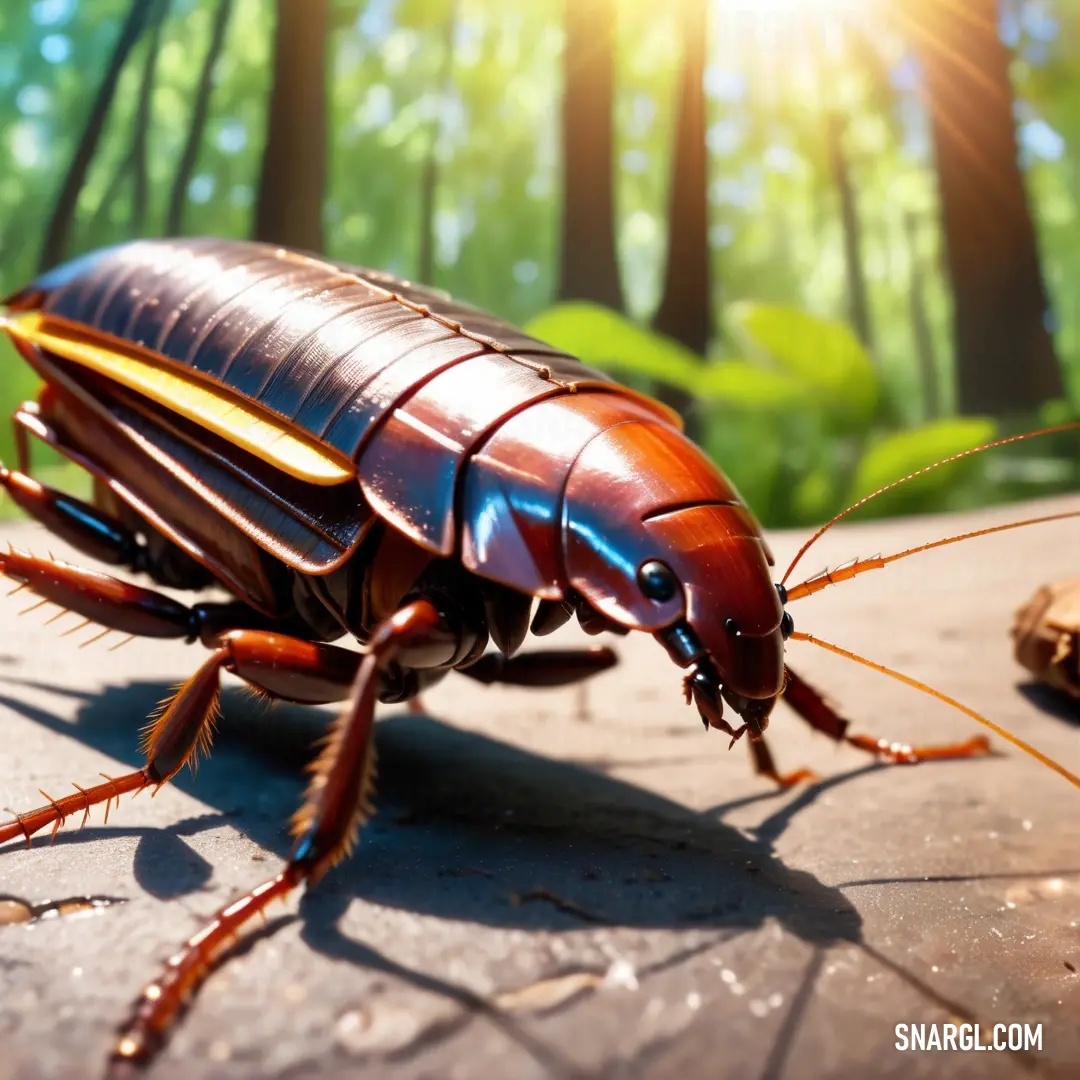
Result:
{"points": [[787, 625], [657, 581]]}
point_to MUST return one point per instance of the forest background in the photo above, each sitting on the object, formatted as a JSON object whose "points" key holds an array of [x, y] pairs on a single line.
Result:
{"points": [[841, 236]]}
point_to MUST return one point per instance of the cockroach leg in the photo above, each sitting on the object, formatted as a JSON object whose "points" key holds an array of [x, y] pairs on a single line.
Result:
{"points": [[278, 665], [119, 605], [58, 809], [555, 667], [550, 615], [86, 528], [335, 806], [765, 765], [98, 597], [21, 436], [894, 753], [821, 716]]}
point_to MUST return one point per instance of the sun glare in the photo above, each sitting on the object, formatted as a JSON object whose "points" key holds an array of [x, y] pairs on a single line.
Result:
{"points": [[783, 28], [777, 8]]}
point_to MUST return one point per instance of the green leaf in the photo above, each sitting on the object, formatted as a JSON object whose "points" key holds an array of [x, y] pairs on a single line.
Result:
{"points": [[607, 340], [746, 386], [902, 453], [823, 354], [814, 496], [1057, 411]]}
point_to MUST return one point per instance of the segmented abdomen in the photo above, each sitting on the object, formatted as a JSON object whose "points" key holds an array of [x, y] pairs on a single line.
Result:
{"points": [[330, 348]]}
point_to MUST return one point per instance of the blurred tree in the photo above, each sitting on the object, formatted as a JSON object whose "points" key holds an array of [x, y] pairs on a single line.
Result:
{"points": [[589, 269], [855, 275], [921, 331], [429, 177], [63, 214], [174, 216], [686, 305], [292, 180], [1005, 361], [140, 136]]}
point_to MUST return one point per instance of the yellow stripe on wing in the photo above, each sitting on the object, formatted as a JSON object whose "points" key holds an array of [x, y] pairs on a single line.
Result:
{"points": [[212, 407]]}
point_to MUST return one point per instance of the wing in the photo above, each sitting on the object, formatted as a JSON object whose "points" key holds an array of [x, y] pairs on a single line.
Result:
{"points": [[173, 473]]}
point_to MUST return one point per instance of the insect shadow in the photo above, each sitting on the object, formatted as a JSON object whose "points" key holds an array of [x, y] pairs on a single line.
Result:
{"points": [[469, 828], [1052, 701], [494, 825]]}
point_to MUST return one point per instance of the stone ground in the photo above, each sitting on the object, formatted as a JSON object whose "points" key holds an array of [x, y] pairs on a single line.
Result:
{"points": [[688, 920]]}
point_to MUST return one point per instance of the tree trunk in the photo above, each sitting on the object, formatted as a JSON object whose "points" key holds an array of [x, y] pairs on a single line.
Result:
{"points": [[839, 166], [429, 177], [686, 311], [589, 268], [292, 181], [140, 190], [59, 226], [1005, 361], [174, 218], [920, 323]]}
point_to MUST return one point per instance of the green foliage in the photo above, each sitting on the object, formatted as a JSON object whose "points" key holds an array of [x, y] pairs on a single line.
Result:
{"points": [[902, 453], [823, 355], [798, 427], [604, 339]]}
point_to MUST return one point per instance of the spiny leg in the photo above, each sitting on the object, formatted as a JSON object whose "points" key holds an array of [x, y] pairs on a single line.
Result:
{"points": [[821, 716], [335, 806], [122, 606], [274, 663], [138, 611]]}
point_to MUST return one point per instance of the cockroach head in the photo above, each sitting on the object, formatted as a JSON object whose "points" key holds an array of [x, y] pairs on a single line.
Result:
{"points": [[656, 539], [730, 633], [701, 584], [706, 686]]}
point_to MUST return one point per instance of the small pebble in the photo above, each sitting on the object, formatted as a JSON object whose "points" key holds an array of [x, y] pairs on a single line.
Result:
{"points": [[621, 975], [219, 1050], [384, 1029], [15, 911]]}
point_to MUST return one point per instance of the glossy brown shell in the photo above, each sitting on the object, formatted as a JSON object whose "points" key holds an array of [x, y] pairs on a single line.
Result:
{"points": [[469, 436], [330, 348]]}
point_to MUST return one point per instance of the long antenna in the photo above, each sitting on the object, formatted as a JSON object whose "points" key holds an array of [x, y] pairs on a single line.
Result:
{"points": [[1072, 425], [900, 677], [879, 562]]}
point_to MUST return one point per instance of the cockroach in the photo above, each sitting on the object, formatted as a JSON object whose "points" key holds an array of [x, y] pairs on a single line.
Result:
{"points": [[1046, 636], [350, 454]]}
